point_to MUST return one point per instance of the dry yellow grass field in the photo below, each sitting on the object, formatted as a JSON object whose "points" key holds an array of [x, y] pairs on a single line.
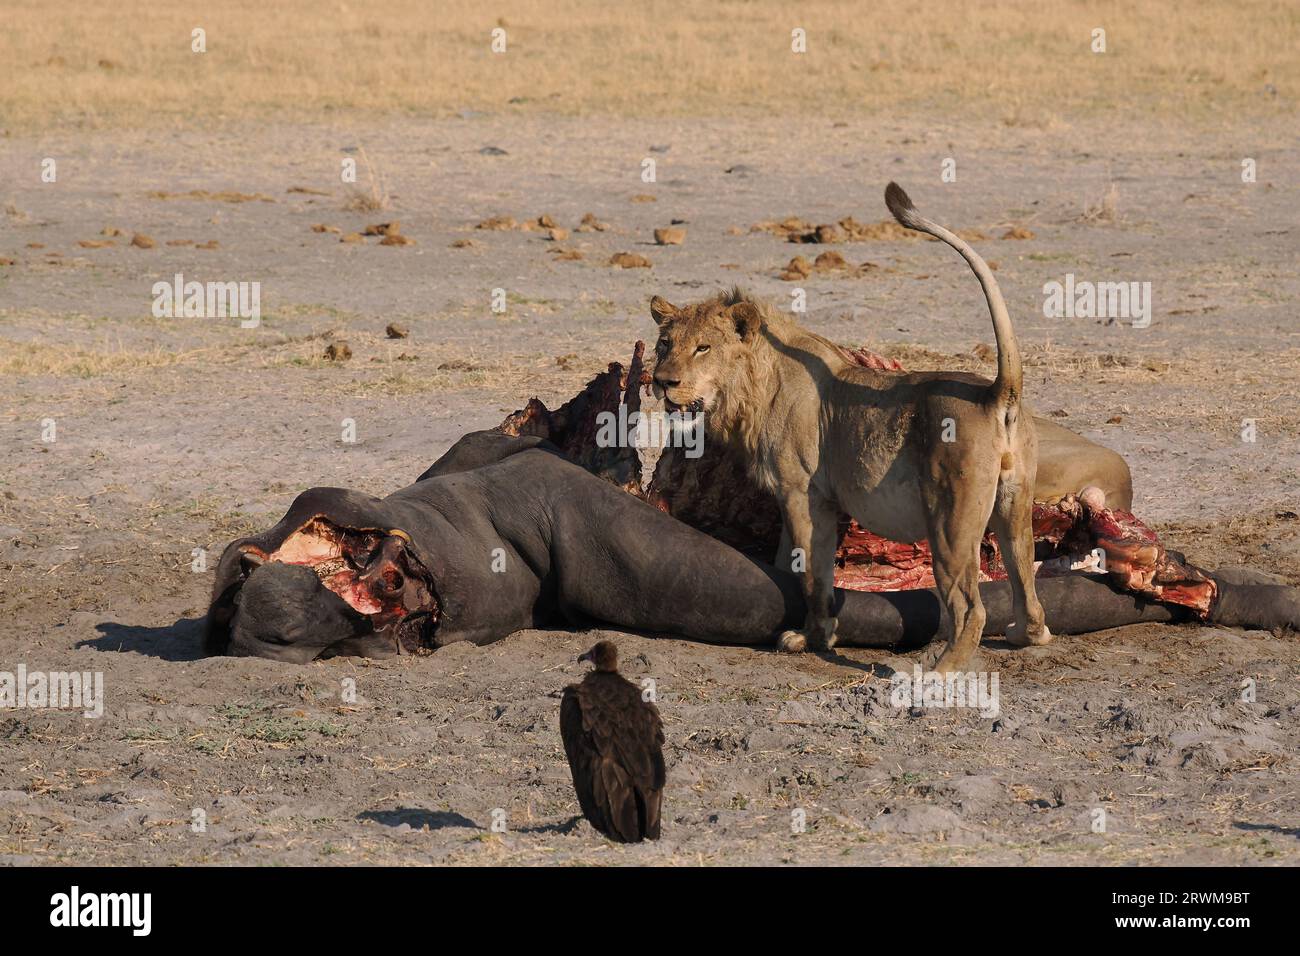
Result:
{"points": [[1025, 62]]}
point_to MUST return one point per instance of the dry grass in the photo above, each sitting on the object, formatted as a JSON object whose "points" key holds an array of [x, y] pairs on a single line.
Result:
{"points": [[1022, 61]]}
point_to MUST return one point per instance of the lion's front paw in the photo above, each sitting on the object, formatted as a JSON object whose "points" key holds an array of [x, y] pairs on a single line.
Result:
{"points": [[821, 633], [792, 642]]}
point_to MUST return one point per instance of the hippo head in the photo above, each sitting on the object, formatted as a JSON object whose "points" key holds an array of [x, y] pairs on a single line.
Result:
{"points": [[327, 590]]}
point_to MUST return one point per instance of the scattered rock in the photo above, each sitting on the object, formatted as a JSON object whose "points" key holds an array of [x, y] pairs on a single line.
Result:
{"points": [[629, 260], [670, 236]]}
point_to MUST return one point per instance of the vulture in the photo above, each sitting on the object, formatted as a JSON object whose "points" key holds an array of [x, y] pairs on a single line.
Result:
{"points": [[614, 741]]}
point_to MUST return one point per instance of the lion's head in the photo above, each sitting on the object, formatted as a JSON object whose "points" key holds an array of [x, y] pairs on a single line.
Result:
{"points": [[705, 351]]}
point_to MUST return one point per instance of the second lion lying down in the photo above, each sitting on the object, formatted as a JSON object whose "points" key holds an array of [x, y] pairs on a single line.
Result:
{"points": [[933, 455]]}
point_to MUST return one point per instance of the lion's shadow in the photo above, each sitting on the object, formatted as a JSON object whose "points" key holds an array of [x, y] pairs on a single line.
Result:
{"points": [[180, 641]]}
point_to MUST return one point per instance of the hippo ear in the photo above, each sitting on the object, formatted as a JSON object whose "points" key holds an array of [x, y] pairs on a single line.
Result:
{"points": [[661, 310], [250, 559], [747, 320]]}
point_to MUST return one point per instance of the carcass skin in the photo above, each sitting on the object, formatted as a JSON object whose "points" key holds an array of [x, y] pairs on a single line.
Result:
{"points": [[503, 533]]}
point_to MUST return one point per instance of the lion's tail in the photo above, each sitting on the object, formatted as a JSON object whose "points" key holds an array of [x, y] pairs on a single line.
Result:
{"points": [[1006, 387]]}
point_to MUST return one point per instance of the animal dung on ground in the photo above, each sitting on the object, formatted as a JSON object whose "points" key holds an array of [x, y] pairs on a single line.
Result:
{"points": [[141, 241], [670, 236], [629, 260], [829, 262], [615, 744]]}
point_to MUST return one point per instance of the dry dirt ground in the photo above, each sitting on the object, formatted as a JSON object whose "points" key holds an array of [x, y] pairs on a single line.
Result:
{"points": [[177, 434]]}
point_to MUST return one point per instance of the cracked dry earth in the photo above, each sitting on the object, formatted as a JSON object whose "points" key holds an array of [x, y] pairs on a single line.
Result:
{"points": [[178, 434]]}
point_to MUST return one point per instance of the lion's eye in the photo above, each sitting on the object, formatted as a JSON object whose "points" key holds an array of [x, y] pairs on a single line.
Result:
{"points": [[701, 350]]}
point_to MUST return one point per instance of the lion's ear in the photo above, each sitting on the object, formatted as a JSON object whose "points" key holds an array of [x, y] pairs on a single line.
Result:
{"points": [[747, 320], [661, 310]]}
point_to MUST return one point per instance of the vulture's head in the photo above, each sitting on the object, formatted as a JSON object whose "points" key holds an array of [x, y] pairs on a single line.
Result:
{"points": [[604, 656]]}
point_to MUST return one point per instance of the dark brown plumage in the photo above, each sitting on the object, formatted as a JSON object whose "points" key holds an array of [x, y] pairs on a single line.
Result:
{"points": [[614, 741]]}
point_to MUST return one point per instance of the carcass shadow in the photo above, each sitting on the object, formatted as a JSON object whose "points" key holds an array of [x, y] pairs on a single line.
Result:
{"points": [[419, 819], [181, 641]]}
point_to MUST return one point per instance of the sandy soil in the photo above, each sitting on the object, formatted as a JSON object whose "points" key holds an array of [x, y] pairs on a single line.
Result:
{"points": [[177, 434]]}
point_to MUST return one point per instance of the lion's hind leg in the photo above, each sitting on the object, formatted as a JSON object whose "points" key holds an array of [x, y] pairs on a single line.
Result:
{"points": [[957, 513], [1012, 523]]}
